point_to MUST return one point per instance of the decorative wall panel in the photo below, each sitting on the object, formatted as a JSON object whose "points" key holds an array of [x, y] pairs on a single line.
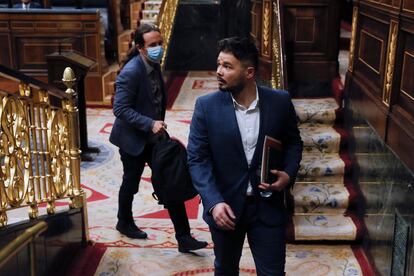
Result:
{"points": [[381, 83], [30, 37]]}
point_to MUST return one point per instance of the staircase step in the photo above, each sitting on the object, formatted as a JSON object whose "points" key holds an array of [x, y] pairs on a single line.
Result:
{"points": [[377, 196], [318, 198], [321, 110], [320, 138], [152, 5], [329, 260], [150, 14], [380, 227], [374, 166], [329, 167], [366, 140], [306, 227], [148, 21]]}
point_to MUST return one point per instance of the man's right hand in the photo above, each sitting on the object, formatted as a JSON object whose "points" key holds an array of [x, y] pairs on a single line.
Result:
{"points": [[223, 216], [158, 127]]}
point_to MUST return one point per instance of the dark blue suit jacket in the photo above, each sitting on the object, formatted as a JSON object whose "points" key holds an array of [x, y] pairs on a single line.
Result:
{"points": [[133, 107], [33, 5], [217, 161]]}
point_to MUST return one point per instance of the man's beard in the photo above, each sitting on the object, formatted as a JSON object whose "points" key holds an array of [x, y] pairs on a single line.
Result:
{"points": [[235, 89]]}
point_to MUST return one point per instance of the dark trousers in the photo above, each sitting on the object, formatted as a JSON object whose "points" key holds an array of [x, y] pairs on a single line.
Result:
{"points": [[267, 244], [133, 168]]}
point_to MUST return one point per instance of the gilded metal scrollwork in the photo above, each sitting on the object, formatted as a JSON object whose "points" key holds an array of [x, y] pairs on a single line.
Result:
{"points": [[24, 90], [15, 150], [59, 153], [386, 96], [278, 81], [39, 150]]}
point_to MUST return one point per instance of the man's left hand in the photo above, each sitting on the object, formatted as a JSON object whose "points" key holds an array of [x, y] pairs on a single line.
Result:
{"points": [[283, 179]]}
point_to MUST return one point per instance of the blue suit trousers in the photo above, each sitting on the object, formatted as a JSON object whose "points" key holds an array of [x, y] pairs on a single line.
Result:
{"points": [[267, 244]]}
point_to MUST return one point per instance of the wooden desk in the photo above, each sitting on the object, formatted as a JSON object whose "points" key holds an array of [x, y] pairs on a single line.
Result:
{"points": [[27, 37]]}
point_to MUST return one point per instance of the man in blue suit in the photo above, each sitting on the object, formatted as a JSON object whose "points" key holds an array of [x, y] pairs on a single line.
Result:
{"points": [[139, 107], [224, 154], [27, 4]]}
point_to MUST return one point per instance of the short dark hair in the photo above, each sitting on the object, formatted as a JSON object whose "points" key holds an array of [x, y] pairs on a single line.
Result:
{"points": [[243, 48], [143, 29]]}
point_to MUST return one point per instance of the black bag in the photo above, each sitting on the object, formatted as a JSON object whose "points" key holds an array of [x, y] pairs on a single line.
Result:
{"points": [[170, 175]]}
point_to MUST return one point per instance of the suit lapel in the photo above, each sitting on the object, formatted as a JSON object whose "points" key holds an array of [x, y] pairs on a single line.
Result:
{"points": [[145, 77], [264, 113], [230, 115]]}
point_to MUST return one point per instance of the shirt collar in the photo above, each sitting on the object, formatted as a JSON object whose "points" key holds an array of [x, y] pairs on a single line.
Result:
{"points": [[252, 106], [148, 67]]}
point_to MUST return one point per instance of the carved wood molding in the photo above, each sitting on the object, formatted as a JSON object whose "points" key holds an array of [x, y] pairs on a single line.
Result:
{"points": [[353, 38], [267, 28]]}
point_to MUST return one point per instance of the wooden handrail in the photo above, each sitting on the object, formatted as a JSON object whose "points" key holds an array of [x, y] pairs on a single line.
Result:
{"points": [[35, 83], [28, 236]]}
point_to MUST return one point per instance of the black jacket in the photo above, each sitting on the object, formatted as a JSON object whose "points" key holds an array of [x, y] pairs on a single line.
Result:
{"points": [[170, 175]]}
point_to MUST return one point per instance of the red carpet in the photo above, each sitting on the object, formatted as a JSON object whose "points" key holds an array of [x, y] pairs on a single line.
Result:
{"points": [[192, 206], [86, 261]]}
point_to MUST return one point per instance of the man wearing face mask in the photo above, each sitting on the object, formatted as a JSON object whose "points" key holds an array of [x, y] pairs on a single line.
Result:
{"points": [[139, 107]]}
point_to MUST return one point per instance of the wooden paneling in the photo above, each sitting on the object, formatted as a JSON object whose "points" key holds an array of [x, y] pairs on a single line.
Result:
{"points": [[5, 52], [28, 37], [381, 83], [256, 15], [371, 49], [406, 96], [387, 4], [311, 30], [401, 135], [370, 52], [370, 106], [408, 5], [30, 51]]}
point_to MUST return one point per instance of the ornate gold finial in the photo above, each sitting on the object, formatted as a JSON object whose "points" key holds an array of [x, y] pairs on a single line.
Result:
{"points": [[69, 80]]}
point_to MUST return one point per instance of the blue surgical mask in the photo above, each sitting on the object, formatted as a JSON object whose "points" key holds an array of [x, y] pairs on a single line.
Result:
{"points": [[155, 53]]}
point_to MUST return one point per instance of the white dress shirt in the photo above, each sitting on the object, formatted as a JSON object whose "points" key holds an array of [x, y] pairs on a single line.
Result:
{"points": [[248, 120]]}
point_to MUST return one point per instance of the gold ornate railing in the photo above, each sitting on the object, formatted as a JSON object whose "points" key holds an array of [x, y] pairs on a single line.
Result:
{"points": [[27, 237], [166, 19], [39, 144]]}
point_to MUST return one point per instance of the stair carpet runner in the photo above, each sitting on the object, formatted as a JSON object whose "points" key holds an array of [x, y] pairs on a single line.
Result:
{"points": [[322, 196], [150, 12]]}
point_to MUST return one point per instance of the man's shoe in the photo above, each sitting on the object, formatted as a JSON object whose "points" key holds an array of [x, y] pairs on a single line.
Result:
{"points": [[188, 243], [130, 230]]}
